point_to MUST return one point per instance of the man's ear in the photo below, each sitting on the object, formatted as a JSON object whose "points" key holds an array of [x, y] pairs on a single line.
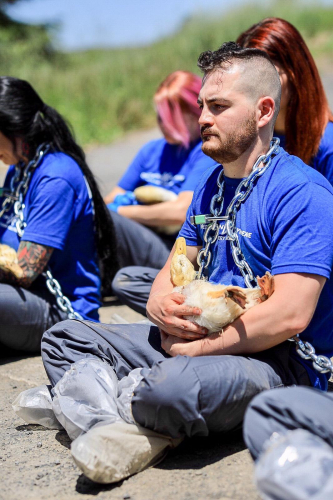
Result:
{"points": [[266, 108]]}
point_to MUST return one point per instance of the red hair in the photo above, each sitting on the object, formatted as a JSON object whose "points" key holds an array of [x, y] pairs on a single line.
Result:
{"points": [[308, 112], [176, 95]]}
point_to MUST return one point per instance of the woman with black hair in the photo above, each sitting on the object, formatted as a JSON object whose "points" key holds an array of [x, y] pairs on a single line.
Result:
{"points": [[52, 214]]}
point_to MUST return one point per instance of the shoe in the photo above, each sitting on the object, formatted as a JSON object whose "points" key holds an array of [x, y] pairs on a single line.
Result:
{"points": [[112, 452]]}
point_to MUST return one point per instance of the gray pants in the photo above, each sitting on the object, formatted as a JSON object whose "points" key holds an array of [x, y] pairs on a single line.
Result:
{"points": [[179, 396], [24, 317], [288, 409], [132, 286], [138, 245]]}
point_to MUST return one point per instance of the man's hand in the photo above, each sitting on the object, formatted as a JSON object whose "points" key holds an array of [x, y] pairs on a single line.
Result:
{"points": [[169, 314], [175, 346]]}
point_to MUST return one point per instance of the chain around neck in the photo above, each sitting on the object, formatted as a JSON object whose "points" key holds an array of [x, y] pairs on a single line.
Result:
{"points": [[243, 190]]}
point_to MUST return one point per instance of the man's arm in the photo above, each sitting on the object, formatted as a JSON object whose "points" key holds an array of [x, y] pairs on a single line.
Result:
{"points": [[160, 214], [286, 313], [33, 259]]}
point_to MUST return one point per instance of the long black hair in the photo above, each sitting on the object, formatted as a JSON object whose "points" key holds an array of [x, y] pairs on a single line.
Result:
{"points": [[24, 115]]}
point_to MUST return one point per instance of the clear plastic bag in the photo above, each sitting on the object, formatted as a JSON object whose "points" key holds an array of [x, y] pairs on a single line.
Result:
{"points": [[85, 396], [295, 466], [126, 388], [34, 406]]}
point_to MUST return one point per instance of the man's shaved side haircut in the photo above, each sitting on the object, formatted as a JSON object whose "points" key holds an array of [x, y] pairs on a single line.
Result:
{"points": [[259, 76]]}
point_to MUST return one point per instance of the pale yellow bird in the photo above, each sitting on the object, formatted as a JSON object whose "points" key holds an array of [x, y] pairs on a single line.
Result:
{"points": [[220, 304], [9, 261], [149, 195]]}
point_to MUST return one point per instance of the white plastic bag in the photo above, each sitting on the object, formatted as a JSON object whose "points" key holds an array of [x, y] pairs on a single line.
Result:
{"points": [[109, 453], [85, 396], [296, 466], [126, 387], [34, 406]]}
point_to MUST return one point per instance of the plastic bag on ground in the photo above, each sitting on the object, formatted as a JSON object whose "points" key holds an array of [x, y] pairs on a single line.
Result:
{"points": [[34, 406], [85, 396], [296, 466], [110, 453]]}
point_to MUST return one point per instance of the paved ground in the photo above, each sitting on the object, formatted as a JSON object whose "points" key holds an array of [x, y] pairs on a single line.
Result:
{"points": [[36, 463]]}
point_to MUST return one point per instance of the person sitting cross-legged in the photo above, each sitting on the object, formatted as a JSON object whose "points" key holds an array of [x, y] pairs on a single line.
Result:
{"points": [[193, 384], [56, 234], [170, 168]]}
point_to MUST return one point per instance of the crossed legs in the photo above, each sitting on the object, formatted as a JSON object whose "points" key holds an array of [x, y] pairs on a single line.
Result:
{"points": [[179, 396]]}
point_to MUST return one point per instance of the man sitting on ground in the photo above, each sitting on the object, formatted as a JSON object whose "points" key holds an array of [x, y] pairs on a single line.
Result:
{"points": [[192, 383]]}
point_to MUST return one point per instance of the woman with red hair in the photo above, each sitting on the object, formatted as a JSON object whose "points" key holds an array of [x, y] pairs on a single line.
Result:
{"points": [[304, 123], [146, 233]]}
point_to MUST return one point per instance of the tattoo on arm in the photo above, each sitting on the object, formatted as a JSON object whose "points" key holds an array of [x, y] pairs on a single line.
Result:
{"points": [[32, 258]]}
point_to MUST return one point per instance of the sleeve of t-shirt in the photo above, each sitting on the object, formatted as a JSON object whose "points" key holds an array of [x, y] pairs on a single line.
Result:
{"points": [[188, 230], [326, 165], [199, 165], [302, 229], [131, 178], [51, 213]]}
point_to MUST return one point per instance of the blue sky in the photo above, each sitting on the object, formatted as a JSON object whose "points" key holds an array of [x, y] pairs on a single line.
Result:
{"points": [[114, 23], [111, 23]]}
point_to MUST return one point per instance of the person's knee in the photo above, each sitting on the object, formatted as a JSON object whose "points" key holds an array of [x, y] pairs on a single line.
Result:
{"points": [[67, 342], [167, 399], [52, 334], [120, 283], [268, 412]]}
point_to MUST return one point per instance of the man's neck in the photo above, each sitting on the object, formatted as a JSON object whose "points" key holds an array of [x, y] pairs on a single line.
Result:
{"points": [[243, 165]]}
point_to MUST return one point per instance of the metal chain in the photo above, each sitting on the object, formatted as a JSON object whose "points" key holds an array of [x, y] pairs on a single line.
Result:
{"points": [[305, 350], [63, 302], [15, 196], [216, 207]]}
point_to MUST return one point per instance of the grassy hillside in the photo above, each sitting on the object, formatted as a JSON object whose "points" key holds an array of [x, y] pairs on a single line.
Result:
{"points": [[104, 93]]}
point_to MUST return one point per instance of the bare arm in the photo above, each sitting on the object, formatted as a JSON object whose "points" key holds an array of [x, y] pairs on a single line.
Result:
{"points": [[109, 198], [33, 259], [286, 313], [161, 214]]}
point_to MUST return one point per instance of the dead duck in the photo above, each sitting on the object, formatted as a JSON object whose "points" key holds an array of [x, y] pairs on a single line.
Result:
{"points": [[181, 270], [149, 195], [220, 304], [9, 261]]}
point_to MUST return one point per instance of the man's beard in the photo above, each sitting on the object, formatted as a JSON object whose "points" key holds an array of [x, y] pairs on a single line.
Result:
{"points": [[235, 144]]}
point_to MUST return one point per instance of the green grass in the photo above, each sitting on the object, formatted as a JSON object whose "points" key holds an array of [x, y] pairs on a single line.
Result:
{"points": [[104, 93]]}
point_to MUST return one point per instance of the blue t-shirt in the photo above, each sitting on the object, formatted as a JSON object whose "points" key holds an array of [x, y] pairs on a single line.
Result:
{"points": [[284, 226], [323, 161], [58, 212], [170, 166]]}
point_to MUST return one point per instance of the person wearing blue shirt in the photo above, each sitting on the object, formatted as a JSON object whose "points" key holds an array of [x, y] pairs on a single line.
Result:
{"points": [[305, 123], [53, 216], [170, 166], [146, 233], [193, 383]]}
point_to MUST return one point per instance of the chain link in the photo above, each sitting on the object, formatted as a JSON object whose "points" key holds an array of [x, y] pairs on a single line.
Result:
{"points": [[62, 301], [305, 350], [18, 188], [216, 207]]}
